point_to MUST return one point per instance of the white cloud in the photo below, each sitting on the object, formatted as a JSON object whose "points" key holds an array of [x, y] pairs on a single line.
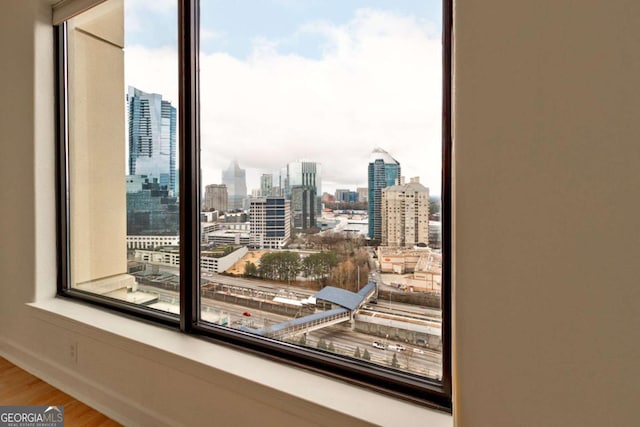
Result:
{"points": [[377, 84], [153, 71], [210, 35], [137, 11], [160, 6]]}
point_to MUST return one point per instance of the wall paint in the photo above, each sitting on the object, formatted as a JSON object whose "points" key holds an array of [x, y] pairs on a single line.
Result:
{"points": [[547, 97]]}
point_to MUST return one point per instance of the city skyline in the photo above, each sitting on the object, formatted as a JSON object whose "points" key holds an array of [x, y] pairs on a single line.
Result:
{"points": [[358, 75], [324, 190]]}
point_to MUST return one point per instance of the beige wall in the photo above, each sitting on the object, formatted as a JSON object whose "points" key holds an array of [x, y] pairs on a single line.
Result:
{"points": [[97, 143], [547, 177], [547, 152]]}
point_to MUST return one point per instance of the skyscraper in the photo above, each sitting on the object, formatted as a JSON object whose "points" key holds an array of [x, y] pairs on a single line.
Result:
{"points": [[152, 211], [152, 137], [303, 187], [303, 207], [266, 185], [216, 197], [384, 171], [405, 214], [235, 179]]}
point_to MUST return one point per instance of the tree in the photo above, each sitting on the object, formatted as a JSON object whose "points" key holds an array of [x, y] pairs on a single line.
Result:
{"points": [[318, 266], [343, 276], [283, 266], [366, 355], [303, 339], [408, 355], [331, 348], [250, 269], [357, 353], [394, 361], [289, 265]]}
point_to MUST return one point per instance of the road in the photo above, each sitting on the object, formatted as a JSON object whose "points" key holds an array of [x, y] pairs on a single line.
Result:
{"points": [[410, 310], [422, 361], [258, 285], [257, 319]]}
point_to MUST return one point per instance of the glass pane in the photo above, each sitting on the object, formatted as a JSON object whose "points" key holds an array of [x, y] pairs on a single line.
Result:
{"points": [[122, 87], [312, 114]]}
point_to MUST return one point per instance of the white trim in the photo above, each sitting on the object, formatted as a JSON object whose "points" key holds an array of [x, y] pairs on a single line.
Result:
{"points": [[81, 388], [248, 377]]}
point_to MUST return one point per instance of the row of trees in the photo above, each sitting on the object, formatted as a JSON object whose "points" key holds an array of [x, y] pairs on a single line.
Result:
{"points": [[348, 271], [286, 266]]}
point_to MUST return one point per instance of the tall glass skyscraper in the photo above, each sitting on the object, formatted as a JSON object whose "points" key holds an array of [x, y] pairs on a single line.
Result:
{"points": [[152, 137], [236, 181], [384, 171], [303, 187]]}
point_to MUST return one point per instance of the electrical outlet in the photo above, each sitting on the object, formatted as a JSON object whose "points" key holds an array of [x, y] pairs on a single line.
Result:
{"points": [[73, 351]]}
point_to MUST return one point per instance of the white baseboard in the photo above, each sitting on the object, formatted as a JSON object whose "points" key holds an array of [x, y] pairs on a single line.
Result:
{"points": [[104, 400]]}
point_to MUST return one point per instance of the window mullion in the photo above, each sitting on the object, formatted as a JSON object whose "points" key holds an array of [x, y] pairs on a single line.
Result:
{"points": [[189, 143]]}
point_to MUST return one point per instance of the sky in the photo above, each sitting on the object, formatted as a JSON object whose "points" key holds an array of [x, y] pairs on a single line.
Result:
{"points": [[321, 80]]}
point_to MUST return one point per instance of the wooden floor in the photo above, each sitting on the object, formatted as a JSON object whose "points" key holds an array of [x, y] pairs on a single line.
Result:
{"points": [[18, 387]]}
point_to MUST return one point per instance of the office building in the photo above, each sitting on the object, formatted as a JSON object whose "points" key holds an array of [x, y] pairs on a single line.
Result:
{"points": [[304, 207], [405, 215], [342, 195], [384, 171], [363, 194], [215, 198], [266, 185], [152, 137], [152, 211], [305, 177], [235, 179], [270, 222]]}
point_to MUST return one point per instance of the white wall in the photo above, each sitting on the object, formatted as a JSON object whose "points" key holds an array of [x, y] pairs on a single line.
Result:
{"points": [[546, 314], [547, 152]]}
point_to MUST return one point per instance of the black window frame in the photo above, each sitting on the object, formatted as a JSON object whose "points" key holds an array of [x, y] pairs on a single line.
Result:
{"points": [[430, 393]]}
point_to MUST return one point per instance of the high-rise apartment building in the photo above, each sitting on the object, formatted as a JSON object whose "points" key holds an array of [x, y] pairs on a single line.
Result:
{"points": [[306, 177], [152, 138], [216, 197], [405, 215], [270, 222], [236, 181], [384, 171]]}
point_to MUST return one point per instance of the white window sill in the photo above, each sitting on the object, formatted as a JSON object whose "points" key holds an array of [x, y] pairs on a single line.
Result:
{"points": [[208, 361]]}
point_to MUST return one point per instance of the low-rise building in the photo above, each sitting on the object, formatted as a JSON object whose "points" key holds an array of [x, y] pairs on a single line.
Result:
{"points": [[420, 268], [212, 261], [149, 242]]}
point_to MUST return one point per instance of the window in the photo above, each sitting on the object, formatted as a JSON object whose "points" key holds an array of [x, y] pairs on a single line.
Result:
{"points": [[221, 171]]}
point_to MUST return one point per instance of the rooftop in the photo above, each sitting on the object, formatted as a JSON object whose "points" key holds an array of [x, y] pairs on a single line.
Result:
{"points": [[380, 154]]}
